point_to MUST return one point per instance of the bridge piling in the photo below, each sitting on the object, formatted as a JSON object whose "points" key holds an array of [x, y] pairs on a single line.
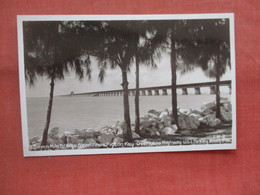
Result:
{"points": [[212, 90], [156, 92], [143, 93], [150, 92], [184, 91], [164, 92], [197, 91]]}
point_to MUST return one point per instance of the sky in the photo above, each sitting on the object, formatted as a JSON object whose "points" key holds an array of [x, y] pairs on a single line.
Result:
{"points": [[113, 78]]}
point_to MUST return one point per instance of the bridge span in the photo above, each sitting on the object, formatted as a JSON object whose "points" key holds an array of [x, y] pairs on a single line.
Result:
{"points": [[149, 91]]}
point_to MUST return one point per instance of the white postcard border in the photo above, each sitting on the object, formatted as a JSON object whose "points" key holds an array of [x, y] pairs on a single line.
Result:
{"points": [[27, 152]]}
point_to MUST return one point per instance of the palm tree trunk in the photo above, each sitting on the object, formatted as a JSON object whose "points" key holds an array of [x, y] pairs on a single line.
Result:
{"points": [[217, 93], [48, 118], [174, 78], [128, 133], [137, 112]]}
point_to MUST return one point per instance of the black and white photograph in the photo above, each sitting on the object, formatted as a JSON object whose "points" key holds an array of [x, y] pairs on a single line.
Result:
{"points": [[103, 84]]}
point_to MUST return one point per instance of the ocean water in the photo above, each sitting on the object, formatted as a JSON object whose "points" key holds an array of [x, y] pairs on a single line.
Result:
{"points": [[81, 112]]}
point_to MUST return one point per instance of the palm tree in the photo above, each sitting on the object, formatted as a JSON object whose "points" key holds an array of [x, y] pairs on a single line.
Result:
{"points": [[170, 36], [48, 51], [210, 51], [117, 51], [215, 52], [123, 48], [189, 44], [144, 53]]}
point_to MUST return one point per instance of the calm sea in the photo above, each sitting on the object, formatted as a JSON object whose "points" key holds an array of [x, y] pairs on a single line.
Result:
{"points": [[81, 112]]}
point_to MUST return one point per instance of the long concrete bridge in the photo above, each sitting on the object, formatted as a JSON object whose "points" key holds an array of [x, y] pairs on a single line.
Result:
{"points": [[149, 91]]}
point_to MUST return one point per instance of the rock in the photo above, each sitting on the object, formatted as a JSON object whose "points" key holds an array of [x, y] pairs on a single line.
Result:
{"points": [[154, 112], [183, 111], [119, 128], [215, 122], [152, 132], [210, 120], [106, 138], [207, 111], [154, 123], [167, 121], [118, 140], [90, 141], [223, 100], [70, 138], [67, 133], [169, 111], [227, 106], [210, 117], [212, 123], [188, 121], [54, 141], [74, 140], [160, 125], [66, 137], [168, 131], [120, 132], [150, 115], [203, 121], [144, 130], [86, 133], [164, 114], [196, 112], [157, 133], [218, 121], [120, 125], [182, 122], [108, 130], [54, 133], [225, 115], [135, 135], [36, 140], [63, 138], [210, 105], [174, 127], [192, 122], [145, 122], [197, 116]]}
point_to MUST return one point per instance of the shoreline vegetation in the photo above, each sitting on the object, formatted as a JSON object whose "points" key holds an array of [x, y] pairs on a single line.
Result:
{"points": [[157, 128], [55, 48]]}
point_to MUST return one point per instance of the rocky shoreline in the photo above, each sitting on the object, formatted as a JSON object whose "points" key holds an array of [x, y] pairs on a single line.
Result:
{"points": [[156, 129]]}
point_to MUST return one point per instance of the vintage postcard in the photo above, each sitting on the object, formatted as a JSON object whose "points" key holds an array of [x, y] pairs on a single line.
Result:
{"points": [[99, 84]]}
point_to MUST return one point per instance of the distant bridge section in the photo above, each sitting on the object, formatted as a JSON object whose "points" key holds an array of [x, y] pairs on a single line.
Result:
{"points": [[162, 90]]}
